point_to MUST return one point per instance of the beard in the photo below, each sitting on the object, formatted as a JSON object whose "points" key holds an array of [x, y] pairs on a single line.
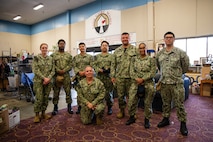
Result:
{"points": [[61, 48]]}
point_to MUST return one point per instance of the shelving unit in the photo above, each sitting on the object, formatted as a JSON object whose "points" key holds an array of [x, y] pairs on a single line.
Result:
{"points": [[24, 66], [195, 69]]}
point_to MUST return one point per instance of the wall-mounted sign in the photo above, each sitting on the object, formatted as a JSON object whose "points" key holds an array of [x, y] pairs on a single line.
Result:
{"points": [[103, 23]]}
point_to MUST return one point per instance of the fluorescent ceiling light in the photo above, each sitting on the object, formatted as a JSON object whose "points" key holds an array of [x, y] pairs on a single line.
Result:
{"points": [[17, 17], [37, 7]]}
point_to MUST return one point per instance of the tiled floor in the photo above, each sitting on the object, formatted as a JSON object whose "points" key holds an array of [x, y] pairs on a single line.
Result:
{"points": [[12, 99]]}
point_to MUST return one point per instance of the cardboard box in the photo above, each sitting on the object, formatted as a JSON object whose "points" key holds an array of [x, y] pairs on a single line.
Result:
{"points": [[14, 119], [207, 89], [195, 90], [4, 125], [205, 71], [13, 81]]}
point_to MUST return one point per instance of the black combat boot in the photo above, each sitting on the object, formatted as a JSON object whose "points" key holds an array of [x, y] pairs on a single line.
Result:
{"points": [[164, 122], [183, 129], [146, 123], [79, 110], [55, 110], [109, 112], [131, 120], [69, 109]]}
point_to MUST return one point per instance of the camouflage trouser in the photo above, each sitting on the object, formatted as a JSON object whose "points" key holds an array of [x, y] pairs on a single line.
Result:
{"points": [[123, 85], [149, 96], [148, 99], [77, 86], [173, 92], [42, 93], [108, 86], [133, 99], [67, 88], [87, 114]]}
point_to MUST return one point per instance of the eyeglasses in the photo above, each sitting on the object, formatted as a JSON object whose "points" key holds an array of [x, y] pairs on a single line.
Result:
{"points": [[169, 37]]}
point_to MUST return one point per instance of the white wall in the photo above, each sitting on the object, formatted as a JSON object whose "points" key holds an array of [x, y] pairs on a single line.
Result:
{"points": [[186, 18], [51, 38], [15, 42]]}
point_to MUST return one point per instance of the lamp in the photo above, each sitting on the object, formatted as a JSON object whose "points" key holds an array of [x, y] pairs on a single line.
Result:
{"points": [[17, 17], [37, 7]]}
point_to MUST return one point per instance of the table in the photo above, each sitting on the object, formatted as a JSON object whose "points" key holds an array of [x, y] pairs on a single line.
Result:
{"points": [[205, 87]]}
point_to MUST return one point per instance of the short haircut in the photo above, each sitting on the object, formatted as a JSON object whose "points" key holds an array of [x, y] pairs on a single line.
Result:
{"points": [[88, 66], [169, 33], [61, 40], [104, 41], [81, 43], [125, 33]]}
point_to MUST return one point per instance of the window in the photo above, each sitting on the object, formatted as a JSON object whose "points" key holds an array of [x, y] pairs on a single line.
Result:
{"points": [[210, 46], [180, 43], [196, 47]]}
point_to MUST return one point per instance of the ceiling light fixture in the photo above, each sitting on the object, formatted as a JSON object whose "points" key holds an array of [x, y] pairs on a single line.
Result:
{"points": [[37, 7], [17, 17]]}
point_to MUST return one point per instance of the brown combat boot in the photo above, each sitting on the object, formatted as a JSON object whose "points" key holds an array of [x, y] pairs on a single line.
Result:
{"points": [[99, 120], [36, 118], [45, 116], [121, 114]]}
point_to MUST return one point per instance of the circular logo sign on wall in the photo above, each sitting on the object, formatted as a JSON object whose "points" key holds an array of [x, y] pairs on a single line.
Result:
{"points": [[101, 23]]}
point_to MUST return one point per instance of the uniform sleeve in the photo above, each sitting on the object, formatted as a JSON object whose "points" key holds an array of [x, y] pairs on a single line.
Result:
{"points": [[149, 75], [36, 69], [52, 73], [91, 61], [113, 66], [101, 95], [81, 97], [75, 68], [70, 64], [57, 68], [157, 61], [133, 74], [95, 64], [54, 55], [184, 62]]}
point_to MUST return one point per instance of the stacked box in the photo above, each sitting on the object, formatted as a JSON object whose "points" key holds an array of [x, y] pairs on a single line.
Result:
{"points": [[4, 121]]}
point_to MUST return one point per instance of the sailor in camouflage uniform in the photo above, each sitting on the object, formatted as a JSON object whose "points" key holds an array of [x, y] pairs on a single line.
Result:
{"points": [[44, 69], [120, 72], [172, 63], [102, 66], [63, 64], [80, 62], [91, 94], [142, 70]]}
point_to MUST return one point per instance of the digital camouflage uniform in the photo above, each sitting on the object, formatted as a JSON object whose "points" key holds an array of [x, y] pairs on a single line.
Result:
{"points": [[144, 68], [172, 66], [120, 69], [42, 67], [103, 61], [79, 64], [63, 61], [93, 93]]}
